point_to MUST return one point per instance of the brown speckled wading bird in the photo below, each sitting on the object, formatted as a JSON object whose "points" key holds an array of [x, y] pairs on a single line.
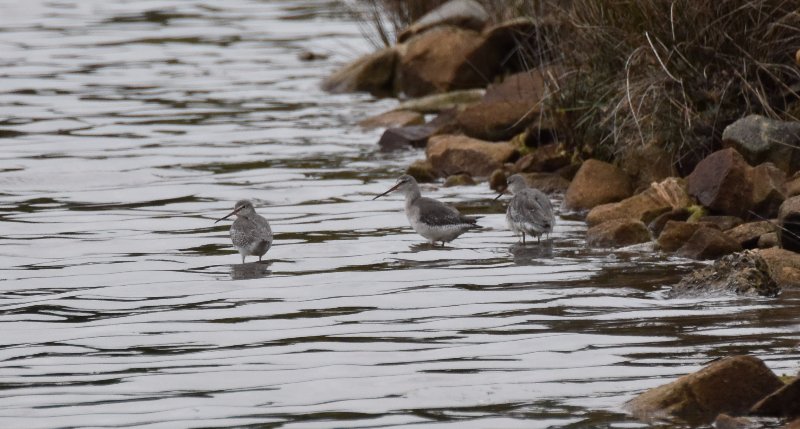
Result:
{"points": [[250, 233], [431, 219]]}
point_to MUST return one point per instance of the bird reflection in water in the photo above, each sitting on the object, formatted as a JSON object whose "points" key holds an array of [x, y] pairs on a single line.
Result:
{"points": [[251, 270], [531, 255]]}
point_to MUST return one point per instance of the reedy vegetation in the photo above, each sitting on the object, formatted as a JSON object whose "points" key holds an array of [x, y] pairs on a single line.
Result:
{"points": [[638, 72]]}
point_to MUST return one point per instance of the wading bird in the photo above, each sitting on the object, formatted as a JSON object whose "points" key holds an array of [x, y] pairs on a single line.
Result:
{"points": [[529, 211], [250, 232]]}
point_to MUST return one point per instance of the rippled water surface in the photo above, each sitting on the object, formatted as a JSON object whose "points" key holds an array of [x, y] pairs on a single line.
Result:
{"points": [[128, 127]]}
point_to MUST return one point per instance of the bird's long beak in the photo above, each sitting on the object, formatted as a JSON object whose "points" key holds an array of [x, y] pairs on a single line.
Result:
{"points": [[229, 214], [390, 190], [500, 194]]}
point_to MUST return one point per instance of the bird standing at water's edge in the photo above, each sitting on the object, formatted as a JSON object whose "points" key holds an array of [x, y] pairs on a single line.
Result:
{"points": [[529, 211], [250, 232], [430, 218]]}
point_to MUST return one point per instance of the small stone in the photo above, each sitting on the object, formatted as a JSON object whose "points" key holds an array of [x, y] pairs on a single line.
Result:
{"points": [[595, 183], [459, 180], [618, 233], [393, 119], [747, 234], [768, 240], [730, 385], [405, 137], [497, 180], [675, 234], [422, 170], [708, 243], [311, 56]]}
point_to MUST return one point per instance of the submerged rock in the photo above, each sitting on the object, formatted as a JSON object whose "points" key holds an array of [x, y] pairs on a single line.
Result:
{"points": [[744, 273], [459, 180], [595, 183], [731, 385], [422, 170], [454, 154], [761, 139], [618, 233], [459, 13], [374, 73], [708, 243]]}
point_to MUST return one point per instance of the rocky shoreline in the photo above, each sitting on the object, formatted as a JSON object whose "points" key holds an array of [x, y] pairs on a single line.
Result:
{"points": [[478, 113]]}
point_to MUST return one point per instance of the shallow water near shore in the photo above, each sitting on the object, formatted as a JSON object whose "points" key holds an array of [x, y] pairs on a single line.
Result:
{"points": [[127, 128]]}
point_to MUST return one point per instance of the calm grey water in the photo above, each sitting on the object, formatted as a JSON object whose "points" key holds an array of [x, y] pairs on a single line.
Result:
{"points": [[127, 127]]}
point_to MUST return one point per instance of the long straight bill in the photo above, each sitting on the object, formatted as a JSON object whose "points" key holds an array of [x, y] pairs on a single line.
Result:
{"points": [[390, 190], [229, 214]]}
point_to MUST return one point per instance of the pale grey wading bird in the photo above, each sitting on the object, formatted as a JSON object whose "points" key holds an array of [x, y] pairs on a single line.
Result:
{"points": [[529, 211], [431, 219], [250, 233]]}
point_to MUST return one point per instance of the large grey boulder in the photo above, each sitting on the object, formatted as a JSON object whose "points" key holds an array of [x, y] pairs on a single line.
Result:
{"points": [[760, 139]]}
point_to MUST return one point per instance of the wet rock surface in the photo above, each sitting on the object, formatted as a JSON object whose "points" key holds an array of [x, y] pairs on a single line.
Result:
{"points": [[744, 273], [784, 402], [373, 73], [731, 385], [618, 233], [708, 243]]}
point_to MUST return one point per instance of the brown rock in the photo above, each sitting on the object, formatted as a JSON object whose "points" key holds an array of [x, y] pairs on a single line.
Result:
{"points": [[657, 225], [452, 154], [459, 13], [595, 183], [731, 385], [744, 273], [645, 206], [675, 234], [789, 224], [792, 186], [374, 73], [546, 182], [528, 87], [768, 184], [784, 266], [549, 157], [459, 180], [747, 234], [422, 170], [497, 120], [447, 58], [723, 223], [767, 240], [394, 118], [618, 233], [784, 402], [515, 38], [405, 137], [720, 182], [497, 180], [708, 243]]}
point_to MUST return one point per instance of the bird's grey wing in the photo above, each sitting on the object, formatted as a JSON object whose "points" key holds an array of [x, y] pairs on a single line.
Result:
{"points": [[533, 207], [436, 213]]}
